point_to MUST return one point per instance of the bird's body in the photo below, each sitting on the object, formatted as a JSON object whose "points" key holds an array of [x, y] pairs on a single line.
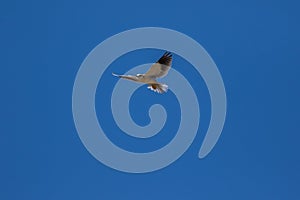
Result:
{"points": [[157, 70]]}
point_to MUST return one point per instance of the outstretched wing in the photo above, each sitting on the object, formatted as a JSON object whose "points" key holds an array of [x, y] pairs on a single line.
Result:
{"points": [[161, 67], [128, 77]]}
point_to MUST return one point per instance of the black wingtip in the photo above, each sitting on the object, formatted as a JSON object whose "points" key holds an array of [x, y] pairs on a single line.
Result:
{"points": [[166, 59], [168, 54]]}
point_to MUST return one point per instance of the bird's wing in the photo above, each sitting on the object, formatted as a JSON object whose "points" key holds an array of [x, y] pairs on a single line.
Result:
{"points": [[161, 67], [128, 77]]}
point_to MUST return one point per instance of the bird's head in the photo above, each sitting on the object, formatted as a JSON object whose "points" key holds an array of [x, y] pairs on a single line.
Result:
{"points": [[139, 75]]}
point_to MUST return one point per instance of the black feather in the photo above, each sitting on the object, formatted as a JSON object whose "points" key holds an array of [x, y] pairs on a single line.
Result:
{"points": [[166, 59]]}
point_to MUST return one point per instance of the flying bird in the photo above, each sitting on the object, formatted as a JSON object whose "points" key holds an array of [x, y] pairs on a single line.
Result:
{"points": [[157, 70]]}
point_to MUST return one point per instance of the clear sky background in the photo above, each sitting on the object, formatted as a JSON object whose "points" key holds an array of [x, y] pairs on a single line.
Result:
{"points": [[255, 45]]}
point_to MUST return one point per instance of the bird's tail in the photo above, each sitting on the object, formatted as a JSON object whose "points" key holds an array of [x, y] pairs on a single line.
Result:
{"points": [[158, 87]]}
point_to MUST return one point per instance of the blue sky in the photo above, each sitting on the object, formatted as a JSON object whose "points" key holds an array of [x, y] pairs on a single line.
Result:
{"points": [[255, 45]]}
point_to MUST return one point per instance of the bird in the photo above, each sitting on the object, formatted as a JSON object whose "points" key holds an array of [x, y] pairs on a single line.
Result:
{"points": [[157, 70]]}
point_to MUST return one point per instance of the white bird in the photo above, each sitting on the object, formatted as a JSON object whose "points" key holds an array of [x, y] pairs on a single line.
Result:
{"points": [[157, 70]]}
